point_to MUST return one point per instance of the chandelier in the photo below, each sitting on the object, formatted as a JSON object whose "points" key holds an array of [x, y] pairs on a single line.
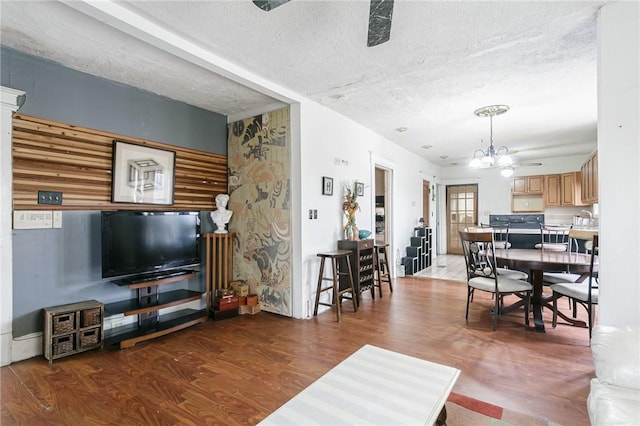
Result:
{"points": [[492, 157]]}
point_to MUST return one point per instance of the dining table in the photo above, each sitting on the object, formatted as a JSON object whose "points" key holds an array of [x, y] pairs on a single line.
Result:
{"points": [[538, 261]]}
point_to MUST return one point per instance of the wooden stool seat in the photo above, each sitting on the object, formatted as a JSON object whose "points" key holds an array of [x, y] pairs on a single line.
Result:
{"points": [[383, 272], [337, 292]]}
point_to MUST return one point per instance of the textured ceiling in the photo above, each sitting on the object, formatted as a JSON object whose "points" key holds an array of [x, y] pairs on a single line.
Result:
{"points": [[444, 60]]}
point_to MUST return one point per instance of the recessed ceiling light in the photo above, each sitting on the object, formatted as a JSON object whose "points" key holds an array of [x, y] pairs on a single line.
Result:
{"points": [[401, 129], [427, 146], [340, 96], [444, 157]]}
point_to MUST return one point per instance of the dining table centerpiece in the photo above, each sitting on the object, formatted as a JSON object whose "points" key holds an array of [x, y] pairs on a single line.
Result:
{"points": [[350, 206]]}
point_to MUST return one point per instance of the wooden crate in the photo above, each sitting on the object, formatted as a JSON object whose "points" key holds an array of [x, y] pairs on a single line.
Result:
{"points": [[73, 328]]}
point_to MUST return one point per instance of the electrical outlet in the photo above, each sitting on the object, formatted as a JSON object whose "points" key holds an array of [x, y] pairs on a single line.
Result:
{"points": [[49, 197]]}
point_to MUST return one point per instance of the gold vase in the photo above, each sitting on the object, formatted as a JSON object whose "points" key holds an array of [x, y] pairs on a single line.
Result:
{"points": [[351, 231]]}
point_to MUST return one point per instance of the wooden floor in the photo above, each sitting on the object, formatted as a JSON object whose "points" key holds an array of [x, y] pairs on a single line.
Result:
{"points": [[237, 371]]}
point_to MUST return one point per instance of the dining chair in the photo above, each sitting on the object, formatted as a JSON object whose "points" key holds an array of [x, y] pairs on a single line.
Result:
{"points": [[583, 293], [554, 237], [480, 261], [580, 241], [501, 241]]}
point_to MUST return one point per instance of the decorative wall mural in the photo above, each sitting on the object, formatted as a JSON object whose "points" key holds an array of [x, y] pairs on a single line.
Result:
{"points": [[259, 155]]}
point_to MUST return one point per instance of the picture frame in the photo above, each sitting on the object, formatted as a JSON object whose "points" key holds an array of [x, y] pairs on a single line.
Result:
{"points": [[359, 189], [141, 174], [327, 185]]}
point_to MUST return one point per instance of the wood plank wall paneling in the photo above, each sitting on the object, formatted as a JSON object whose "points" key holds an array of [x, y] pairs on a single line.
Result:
{"points": [[54, 156]]}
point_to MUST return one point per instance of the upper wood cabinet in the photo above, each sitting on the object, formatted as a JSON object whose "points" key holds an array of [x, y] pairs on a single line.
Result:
{"points": [[571, 189], [527, 185], [552, 185], [589, 179], [563, 190]]}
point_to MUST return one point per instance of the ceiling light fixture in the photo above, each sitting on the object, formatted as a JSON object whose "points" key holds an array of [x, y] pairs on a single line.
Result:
{"points": [[401, 129], [492, 157]]}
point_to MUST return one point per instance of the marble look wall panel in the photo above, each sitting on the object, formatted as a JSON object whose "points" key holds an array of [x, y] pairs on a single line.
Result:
{"points": [[259, 152]]}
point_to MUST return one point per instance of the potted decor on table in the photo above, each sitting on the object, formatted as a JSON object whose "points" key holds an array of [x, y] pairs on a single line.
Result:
{"points": [[350, 206]]}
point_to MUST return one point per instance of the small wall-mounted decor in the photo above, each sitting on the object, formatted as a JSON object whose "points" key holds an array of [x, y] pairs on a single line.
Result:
{"points": [[359, 189], [142, 174], [327, 185]]}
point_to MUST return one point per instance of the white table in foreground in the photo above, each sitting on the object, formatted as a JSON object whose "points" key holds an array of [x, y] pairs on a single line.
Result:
{"points": [[373, 386]]}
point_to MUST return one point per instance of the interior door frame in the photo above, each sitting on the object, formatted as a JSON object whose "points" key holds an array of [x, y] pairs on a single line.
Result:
{"points": [[426, 202], [389, 167], [449, 225]]}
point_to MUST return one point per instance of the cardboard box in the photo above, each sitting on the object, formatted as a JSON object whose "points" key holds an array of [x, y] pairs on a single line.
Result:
{"points": [[226, 302], [224, 292], [251, 310], [239, 288], [252, 300]]}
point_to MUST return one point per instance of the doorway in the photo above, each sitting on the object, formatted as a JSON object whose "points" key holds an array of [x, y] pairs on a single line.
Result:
{"points": [[426, 200], [383, 202], [462, 212]]}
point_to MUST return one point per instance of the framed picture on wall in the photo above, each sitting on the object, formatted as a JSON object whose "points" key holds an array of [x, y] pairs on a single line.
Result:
{"points": [[327, 185], [359, 188], [141, 174]]}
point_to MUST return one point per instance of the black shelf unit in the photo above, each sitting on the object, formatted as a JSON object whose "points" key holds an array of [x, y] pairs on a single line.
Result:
{"points": [[362, 264], [419, 252], [146, 307]]}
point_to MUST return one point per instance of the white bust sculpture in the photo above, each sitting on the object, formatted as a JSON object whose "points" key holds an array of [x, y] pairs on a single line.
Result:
{"points": [[221, 216]]}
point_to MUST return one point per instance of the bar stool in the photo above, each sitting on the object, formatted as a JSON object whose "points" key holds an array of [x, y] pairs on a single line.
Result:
{"points": [[337, 293], [383, 272]]}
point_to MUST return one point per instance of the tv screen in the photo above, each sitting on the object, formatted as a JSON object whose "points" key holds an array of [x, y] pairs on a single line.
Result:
{"points": [[138, 243]]}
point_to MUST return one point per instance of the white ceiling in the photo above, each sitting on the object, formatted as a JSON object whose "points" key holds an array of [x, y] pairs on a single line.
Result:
{"points": [[444, 60]]}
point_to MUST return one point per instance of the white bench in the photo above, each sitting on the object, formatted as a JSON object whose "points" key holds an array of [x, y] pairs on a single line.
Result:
{"points": [[373, 386]]}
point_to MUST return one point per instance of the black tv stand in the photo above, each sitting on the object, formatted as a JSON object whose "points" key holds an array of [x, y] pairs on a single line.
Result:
{"points": [[147, 306]]}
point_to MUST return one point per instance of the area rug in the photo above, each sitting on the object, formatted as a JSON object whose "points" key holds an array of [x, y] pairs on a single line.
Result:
{"points": [[463, 410]]}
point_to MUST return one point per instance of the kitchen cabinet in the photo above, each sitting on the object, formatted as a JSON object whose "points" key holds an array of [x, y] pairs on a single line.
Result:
{"points": [[589, 179], [527, 185], [563, 190], [552, 195], [571, 189], [527, 193]]}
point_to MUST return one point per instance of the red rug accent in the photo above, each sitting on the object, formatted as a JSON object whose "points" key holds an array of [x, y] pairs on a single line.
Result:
{"points": [[476, 405]]}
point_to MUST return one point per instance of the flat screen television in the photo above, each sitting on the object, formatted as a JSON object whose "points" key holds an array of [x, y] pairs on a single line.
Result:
{"points": [[141, 243]]}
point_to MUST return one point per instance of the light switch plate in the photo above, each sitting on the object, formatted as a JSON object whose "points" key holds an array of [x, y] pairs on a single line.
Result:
{"points": [[32, 219], [57, 219]]}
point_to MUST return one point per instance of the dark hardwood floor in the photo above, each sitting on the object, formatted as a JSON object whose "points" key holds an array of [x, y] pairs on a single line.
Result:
{"points": [[237, 371]]}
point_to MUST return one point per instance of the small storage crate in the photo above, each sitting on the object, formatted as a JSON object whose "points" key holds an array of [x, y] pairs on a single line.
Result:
{"points": [[64, 323], [90, 317], [73, 328], [89, 337], [62, 344]]}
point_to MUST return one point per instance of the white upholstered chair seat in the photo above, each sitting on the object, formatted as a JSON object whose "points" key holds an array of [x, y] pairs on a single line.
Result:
{"points": [[502, 245], [579, 291], [512, 273], [552, 246], [560, 277], [505, 285]]}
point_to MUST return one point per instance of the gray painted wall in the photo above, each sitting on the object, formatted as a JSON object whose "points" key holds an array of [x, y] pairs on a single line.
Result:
{"points": [[58, 266], [60, 93]]}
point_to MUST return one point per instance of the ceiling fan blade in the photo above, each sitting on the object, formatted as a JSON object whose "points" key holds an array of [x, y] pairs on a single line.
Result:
{"points": [[380, 12], [526, 164], [267, 5]]}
